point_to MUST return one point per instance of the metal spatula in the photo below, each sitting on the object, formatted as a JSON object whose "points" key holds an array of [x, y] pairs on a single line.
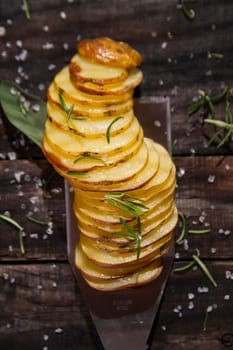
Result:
{"points": [[124, 318]]}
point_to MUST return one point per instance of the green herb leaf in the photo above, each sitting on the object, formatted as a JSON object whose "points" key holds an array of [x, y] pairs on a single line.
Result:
{"points": [[26, 9], [67, 110], [77, 173], [19, 227], [183, 229], [119, 200], [205, 270], [37, 221], [205, 320], [109, 128], [198, 232], [185, 267], [189, 13], [29, 122]]}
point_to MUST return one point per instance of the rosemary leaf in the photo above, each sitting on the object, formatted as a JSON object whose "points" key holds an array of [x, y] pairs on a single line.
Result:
{"points": [[217, 98], [205, 320], [205, 270], [26, 9], [37, 221], [198, 232], [67, 110], [109, 128], [185, 267], [11, 221], [76, 173], [189, 13], [19, 227], [183, 230], [219, 123]]}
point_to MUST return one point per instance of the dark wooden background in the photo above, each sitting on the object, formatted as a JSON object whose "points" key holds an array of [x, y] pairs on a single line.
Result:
{"points": [[40, 302]]}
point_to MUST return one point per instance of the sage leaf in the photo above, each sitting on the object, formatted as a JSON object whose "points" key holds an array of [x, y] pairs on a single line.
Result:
{"points": [[29, 121]]}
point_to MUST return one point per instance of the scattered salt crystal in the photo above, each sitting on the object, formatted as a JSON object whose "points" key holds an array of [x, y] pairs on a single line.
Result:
{"points": [[5, 276], [213, 250], [45, 337], [18, 175], [11, 155], [211, 179], [228, 274], [227, 167], [226, 297], [19, 43], [63, 15], [203, 289], [34, 199], [181, 172], [39, 286], [2, 31], [47, 46], [45, 348], [36, 108], [154, 34], [34, 235], [209, 308], [157, 123], [191, 305], [58, 330], [208, 73], [65, 46], [164, 328], [227, 232], [10, 248], [169, 60], [161, 82], [41, 87], [51, 66], [46, 28], [44, 237], [192, 151], [20, 194], [8, 325], [54, 284], [191, 296], [22, 56], [177, 255], [12, 280], [164, 45], [9, 21]]}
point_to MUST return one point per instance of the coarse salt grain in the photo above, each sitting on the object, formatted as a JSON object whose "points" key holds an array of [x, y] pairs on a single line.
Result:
{"points": [[181, 172], [164, 45], [45, 337], [157, 123], [211, 179], [2, 31], [226, 297], [58, 330]]}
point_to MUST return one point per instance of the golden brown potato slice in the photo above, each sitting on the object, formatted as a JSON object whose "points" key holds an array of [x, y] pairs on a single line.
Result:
{"points": [[109, 52], [114, 259], [81, 110], [74, 144], [64, 85], [84, 70], [134, 79], [94, 272], [88, 127]]}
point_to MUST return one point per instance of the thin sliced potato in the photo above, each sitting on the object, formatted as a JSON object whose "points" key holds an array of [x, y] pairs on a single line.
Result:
{"points": [[134, 79], [84, 70]]}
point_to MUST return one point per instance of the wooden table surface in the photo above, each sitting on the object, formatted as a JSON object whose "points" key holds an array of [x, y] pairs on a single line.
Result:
{"points": [[40, 302]]}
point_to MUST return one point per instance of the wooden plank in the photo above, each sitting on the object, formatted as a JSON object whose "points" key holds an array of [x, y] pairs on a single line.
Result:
{"points": [[206, 205], [41, 306]]}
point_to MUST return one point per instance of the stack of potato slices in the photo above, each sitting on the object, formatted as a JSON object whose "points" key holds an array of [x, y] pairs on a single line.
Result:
{"points": [[123, 182]]}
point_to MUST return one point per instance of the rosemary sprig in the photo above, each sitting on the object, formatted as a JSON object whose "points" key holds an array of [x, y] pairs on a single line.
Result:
{"points": [[126, 202], [205, 319], [19, 227], [26, 9], [207, 101], [67, 110], [183, 229], [88, 157], [221, 125], [189, 13], [185, 267], [199, 232], [109, 128], [205, 270], [76, 173], [37, 221], [135, 235]]}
